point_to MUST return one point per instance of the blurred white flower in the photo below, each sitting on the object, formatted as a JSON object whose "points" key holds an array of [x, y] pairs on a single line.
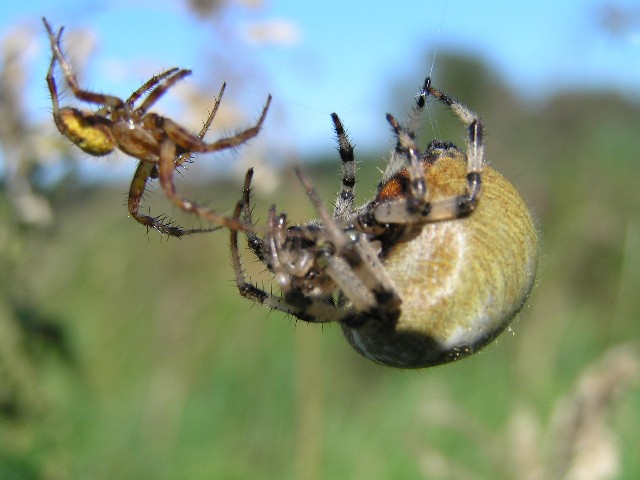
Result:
{"points": [[273, 31]]}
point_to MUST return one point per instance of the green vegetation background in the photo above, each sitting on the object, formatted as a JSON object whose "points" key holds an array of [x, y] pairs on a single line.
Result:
{"points": [[126, 355]]}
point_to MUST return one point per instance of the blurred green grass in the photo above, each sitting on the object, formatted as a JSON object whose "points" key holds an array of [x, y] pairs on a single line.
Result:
{"points": [[176, 376]]}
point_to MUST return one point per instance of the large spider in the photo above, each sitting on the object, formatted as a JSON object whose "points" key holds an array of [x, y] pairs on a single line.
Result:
{"points": [[159, 143], [427, 272]]}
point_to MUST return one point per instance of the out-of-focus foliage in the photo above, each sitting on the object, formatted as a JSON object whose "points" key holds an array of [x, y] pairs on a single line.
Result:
{"points": [[125, 356], [30, 335]]}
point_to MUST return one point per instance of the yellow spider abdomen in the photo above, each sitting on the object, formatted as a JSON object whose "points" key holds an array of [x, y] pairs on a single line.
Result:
{"points": [[87, 131], [461, 281]]}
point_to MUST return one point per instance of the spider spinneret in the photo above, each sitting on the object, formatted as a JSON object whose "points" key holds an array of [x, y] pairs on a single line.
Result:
{"points": [[160, 144], [429, 271]]}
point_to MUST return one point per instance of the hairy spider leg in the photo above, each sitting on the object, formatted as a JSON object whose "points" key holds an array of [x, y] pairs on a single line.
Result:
{"points": [[308, 310], [51, 82], [345, 198], [147, 170], [413, 120], [185, 157], [93, 134], [417, 207], [159, 90], [191, 143], [475, 131], [354, 266], [91, 97], [254, 242], [179, 137], [406, 147], [150, 84], [398, 159], [166, 169]]}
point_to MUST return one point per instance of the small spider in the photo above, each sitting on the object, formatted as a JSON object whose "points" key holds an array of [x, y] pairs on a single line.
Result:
{"points": [[160, 144], [429, 271]]}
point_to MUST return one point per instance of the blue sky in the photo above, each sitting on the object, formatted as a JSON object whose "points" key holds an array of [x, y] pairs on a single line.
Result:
{"points": [[338, 56]]}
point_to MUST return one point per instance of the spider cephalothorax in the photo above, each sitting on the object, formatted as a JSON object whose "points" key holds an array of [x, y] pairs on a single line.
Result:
{"points": [[159, 143], [429, 271]]}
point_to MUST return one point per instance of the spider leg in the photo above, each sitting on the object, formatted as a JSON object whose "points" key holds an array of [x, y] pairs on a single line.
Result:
{"points": [[144, 172], [166, 169], [178, 137], [180, 159], [159, 90], [94, 137], [255, 243], [168, 161], [416, 112], [355, 267], [149, 85], [191, 143], [87, 96], [156, 85], [475, 143], [398, 158], [148, 170], [289, 272], [345, 199], [51, 82], [307, 310], [351, 265], [417, 208]]}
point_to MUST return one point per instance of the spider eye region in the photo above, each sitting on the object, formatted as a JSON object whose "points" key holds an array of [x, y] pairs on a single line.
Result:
{"points": [[92, 133], [461, 281]]}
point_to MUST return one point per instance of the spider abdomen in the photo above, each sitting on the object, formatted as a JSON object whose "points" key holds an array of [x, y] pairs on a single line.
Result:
{"points": [[92, 134], [460, 281]]}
